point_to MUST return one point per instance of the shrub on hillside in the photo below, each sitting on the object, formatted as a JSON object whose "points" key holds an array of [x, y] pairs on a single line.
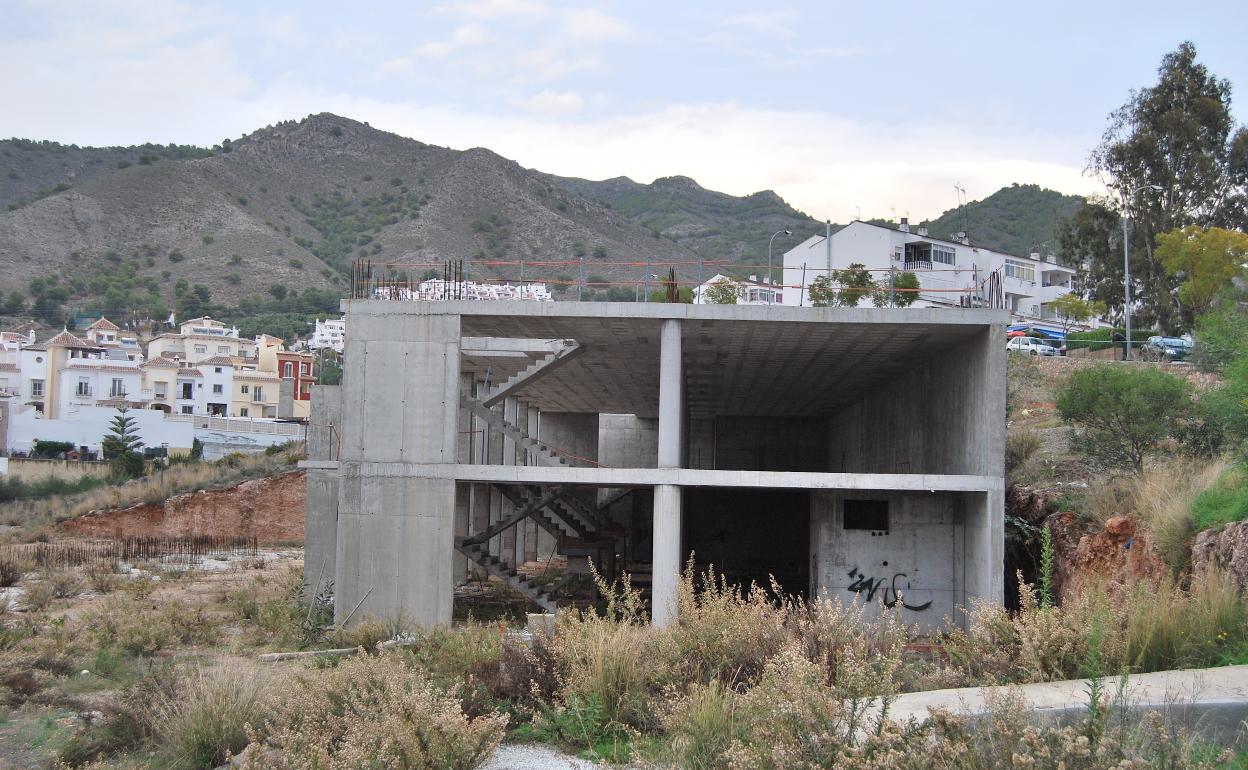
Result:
{"points": [[1121, 414]]}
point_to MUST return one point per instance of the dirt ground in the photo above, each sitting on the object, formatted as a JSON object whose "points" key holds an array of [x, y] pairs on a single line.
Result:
{"points": [[271, 509]]}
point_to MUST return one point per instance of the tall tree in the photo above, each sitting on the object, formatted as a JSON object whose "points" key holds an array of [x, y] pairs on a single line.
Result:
{"points": [[121, 445], [1179, 136], [1206, 260]]}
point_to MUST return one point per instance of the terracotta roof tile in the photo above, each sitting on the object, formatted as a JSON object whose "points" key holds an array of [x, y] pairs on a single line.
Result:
{"points": [[67, 340], [105, 324]]}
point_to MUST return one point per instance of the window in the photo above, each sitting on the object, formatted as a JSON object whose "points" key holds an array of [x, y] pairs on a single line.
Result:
{"points": [[943, 255], [223, 349], [242, 412], [162, 390], [84, 386], [303, 368], [1020, 270], [258, 394], [216, 369], [866, 514], [36, 387], [288, 369], [201, 348], [188, 409], [188, 389], [218, 388], [244, 388], [118, 388]]}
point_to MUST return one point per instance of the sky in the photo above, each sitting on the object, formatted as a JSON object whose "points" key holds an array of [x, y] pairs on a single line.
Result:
{"points": [[844, 109]]}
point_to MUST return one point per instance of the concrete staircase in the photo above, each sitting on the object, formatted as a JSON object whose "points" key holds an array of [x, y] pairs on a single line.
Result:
{"points": [[544, 454], [579, 529], [479, 554]]}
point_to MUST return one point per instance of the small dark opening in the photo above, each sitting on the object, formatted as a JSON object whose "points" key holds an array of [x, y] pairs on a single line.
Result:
{"points": [[866, 514]]}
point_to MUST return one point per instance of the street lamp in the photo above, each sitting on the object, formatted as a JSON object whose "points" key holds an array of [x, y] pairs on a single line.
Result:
{"points": [[646, 289], [772, 295], [1126, 261]]}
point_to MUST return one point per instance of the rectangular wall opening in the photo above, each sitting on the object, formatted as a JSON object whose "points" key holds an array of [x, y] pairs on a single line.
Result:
{"points": [[751, 534]]}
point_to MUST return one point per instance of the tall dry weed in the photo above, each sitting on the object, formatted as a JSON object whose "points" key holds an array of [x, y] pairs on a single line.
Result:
{"points": [[206, 721], [369, 712], [1162, 499], [722, 631]]}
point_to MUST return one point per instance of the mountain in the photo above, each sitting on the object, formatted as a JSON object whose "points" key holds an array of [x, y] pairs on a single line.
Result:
{"points": [[1018, 219], [271, 223], [288, 208]]}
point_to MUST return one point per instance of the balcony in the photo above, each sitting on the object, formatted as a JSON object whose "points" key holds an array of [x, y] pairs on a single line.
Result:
{"points": [[918, 264], [84, 391]]}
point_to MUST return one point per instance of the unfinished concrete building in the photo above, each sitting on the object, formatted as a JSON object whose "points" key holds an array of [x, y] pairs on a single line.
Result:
{"points": [[853, 453]]}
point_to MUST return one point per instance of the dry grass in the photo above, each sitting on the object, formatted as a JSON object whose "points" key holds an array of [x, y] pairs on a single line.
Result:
{"points": [[1163, 501]]}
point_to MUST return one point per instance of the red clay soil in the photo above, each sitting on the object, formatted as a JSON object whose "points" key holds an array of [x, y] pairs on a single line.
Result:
{"points": [[1122, 554], [269, 509]]}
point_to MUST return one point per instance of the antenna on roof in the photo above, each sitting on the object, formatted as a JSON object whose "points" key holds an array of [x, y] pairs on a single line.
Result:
{"points": [[961, 191], [892, 210], [858, 214]]}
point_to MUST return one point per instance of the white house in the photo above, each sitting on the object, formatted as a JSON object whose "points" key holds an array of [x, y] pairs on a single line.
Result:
{"points": [[950, 272], [328, 334], [749, 292]]}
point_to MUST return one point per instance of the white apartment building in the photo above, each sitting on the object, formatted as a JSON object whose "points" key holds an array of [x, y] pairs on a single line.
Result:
{"points": [[950, 272], [749, 292], [199, 339], [329, 334]]}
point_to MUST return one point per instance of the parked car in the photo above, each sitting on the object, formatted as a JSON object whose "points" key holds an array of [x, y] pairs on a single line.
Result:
{"points": [[1032, 346], [1165, 349]]}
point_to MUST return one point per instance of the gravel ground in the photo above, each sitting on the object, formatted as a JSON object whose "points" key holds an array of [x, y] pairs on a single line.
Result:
{"points": [[530, 756]]}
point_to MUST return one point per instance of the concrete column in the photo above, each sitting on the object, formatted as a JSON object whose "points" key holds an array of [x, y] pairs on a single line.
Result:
{"points": [[667, 514], [321, 528], [400, 403]]}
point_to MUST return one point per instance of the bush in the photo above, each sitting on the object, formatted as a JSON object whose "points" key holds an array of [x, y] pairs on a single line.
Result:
{"points": [[1020, 445], [1225, 501], [207, 722], [1121, 414], [1099, 339], [370, 712]]}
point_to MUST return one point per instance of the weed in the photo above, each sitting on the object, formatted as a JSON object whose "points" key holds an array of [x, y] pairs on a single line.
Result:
{"points": [[1223, 502]]}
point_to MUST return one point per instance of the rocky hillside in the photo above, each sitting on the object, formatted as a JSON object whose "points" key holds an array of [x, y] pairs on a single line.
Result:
{"points": [[296, 203], [1017, 219]]}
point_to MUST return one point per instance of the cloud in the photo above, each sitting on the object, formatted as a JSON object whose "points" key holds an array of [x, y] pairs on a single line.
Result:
{"points": [[591, 25], [465, 36], [555, 103], [494, 9], [779, 23]]}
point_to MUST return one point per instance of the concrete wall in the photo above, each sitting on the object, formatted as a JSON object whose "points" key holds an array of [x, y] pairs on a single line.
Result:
{"points": [[70, 470], [321, 530], [90, 424], [570, 433], [400, 403], [947, 415], [770, 443], [921, 555], [627, 441]]}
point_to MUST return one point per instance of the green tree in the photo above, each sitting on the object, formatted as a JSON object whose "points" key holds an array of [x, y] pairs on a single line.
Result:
{"points": [[1072, 309], [855, 283], [722, 292], [16, 302], [278, 291], [1205, 260], [1178, 135], [121, 446], [1122, 413], [905, 291], [821, 291]]}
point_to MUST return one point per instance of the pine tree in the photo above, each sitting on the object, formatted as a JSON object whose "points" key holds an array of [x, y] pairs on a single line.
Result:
{"points": [[122, 444]]}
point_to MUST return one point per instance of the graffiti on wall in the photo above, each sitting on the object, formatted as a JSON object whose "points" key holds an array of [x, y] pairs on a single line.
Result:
{"points": [[890, 594]]}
